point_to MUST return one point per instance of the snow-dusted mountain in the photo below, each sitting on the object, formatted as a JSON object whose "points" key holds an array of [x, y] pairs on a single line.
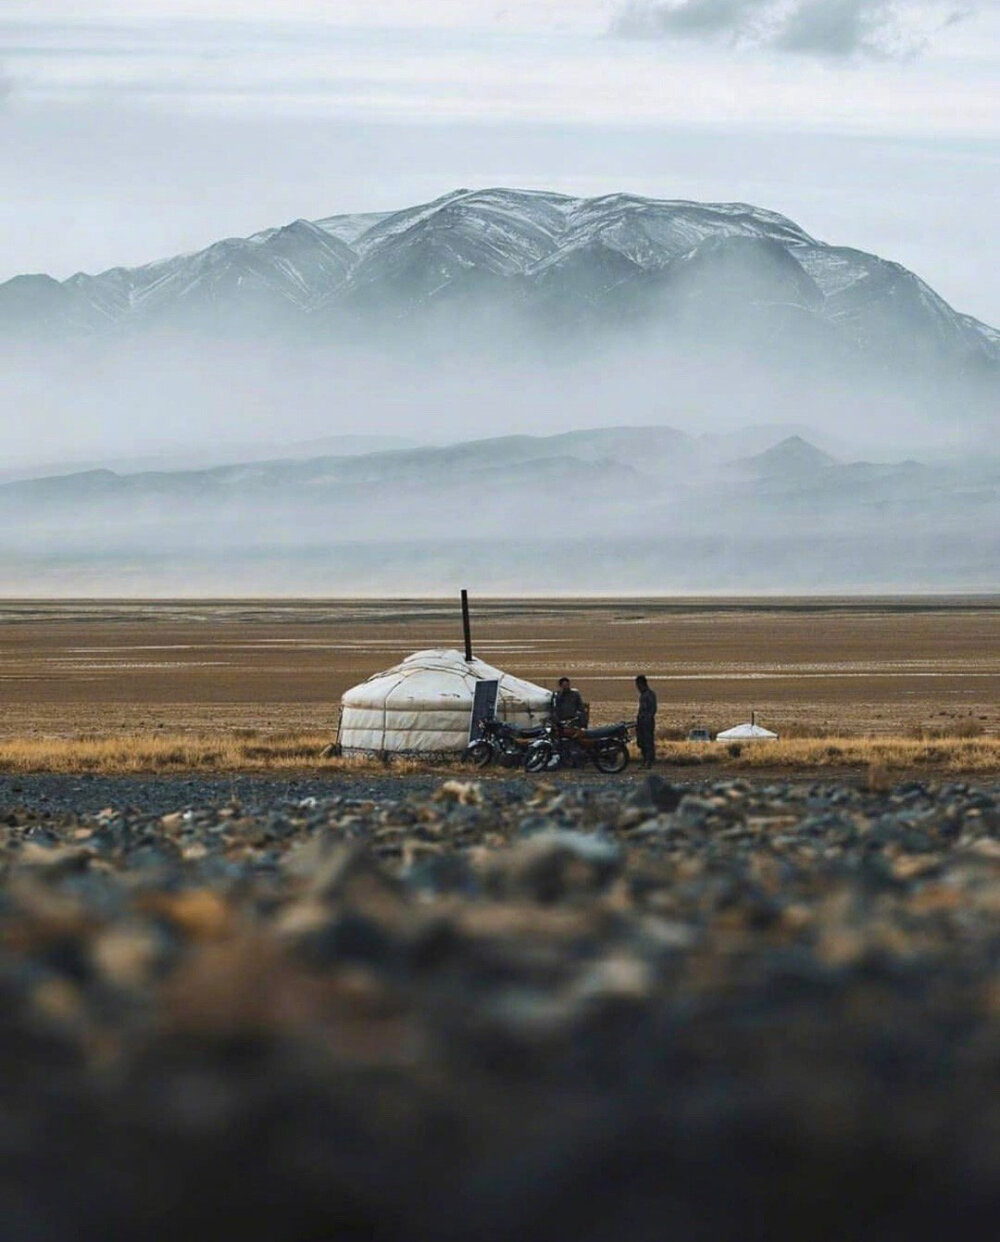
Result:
{"points": [[541, 258]]}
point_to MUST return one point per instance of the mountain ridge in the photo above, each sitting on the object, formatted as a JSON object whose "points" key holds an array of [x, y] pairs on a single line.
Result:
{"points": [[664, 253], [648, 507], [658, 452]]}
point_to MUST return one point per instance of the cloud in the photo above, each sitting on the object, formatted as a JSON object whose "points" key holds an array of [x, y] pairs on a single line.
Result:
{"points": [[834, 28], [695, 18]]}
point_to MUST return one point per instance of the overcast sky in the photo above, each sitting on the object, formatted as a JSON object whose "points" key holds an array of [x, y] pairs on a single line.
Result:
{"points": [[131, 130]]}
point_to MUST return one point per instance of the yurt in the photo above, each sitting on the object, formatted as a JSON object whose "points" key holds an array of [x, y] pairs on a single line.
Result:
{"points": [[424, 705], [751, 732]]}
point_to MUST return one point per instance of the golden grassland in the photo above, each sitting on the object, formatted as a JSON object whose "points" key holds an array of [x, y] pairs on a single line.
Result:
{"points": [[243, 751], [912, 685], [810, 668]]}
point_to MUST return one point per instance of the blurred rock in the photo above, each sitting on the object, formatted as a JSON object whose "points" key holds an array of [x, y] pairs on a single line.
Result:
{"points": [[401, 1009]]}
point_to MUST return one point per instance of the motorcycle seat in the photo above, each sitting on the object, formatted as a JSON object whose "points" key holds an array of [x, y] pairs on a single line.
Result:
{"points": [[528, 731], [606, 731]]}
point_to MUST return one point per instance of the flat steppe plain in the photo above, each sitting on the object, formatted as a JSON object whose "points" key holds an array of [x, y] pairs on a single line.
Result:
{"points": [[809, 667]]}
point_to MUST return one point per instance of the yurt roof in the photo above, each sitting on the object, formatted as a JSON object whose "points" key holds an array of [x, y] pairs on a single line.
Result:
{"points": [[745, 732], [439, 675]]}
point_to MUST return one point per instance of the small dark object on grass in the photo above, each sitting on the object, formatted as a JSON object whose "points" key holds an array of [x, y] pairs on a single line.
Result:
{"points": [[879, 778], [663, 795]]}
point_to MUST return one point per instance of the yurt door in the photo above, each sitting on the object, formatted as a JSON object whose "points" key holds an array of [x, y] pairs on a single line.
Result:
{"points": [[484, 705]]}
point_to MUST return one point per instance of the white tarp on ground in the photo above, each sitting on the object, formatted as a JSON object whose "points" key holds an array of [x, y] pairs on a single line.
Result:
{"points": [[424, 705], [747, 733]]}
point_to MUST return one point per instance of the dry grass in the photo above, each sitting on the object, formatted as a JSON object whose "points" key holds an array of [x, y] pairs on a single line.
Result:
{"points": [[952, 755], [236, 751], [810, 668], [242, 750], [254, 686]]}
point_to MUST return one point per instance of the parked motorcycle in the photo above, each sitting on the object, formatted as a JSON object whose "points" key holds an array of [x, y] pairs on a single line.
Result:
{"points": [[566, 745], [501, 743]]}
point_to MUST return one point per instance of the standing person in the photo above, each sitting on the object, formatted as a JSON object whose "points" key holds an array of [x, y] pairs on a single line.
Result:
{"points": [[567, 704], [645, 722]]}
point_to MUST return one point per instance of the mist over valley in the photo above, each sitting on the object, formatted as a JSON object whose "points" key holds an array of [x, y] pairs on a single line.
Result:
{"points": [[524, 391], [640, 509]]}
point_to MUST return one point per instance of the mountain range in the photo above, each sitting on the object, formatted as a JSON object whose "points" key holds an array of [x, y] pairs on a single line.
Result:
{"points": [[537, 258], [465, 320], [632, 508]]}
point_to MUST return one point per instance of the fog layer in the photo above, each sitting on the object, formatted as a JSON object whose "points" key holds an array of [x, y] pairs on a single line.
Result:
{"points": [[778, 413]]}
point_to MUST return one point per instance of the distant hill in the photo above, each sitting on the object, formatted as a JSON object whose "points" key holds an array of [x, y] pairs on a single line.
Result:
{"points": [[206, 456], [630, 508], [793, 457]]}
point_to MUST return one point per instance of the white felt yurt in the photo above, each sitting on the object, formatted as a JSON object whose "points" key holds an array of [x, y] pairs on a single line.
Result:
{"points": [[751, 732], [424, 705]]}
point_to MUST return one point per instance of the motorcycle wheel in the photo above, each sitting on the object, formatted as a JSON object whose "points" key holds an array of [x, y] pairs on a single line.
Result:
{"points": [[480, 754], [612, 759], [539, 757]]}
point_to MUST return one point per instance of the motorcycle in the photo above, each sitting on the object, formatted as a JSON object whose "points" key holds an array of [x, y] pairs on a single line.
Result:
{"points": [[501, 743], [568, 745]]}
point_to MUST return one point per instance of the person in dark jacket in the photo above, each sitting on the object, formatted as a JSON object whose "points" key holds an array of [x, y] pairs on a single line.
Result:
{"points": [[567, 704], [645, 722]]}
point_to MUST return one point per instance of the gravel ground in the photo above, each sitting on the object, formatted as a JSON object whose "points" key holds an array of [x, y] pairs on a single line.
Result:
{"points": [[384, 1008], [61, 796], [159, 795]]}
